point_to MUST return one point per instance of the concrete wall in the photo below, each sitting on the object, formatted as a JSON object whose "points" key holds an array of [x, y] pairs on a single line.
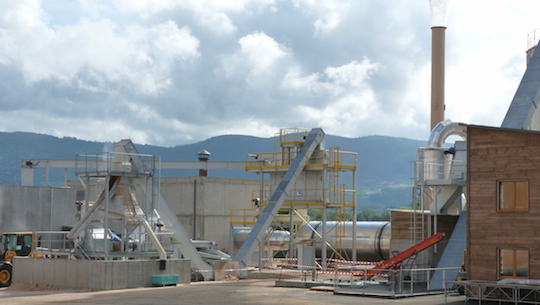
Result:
{"points": [[97, 275], [210, 199], [33, 208]]}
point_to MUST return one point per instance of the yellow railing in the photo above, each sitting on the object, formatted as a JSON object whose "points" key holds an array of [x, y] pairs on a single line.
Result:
{"points": [[310, 197], [336, 160], [289, 137], [339, 160], [244, 217], [342, 197]]}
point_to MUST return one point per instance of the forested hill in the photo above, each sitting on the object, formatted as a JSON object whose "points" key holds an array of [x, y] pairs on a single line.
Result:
{"points": [[383, 175]]}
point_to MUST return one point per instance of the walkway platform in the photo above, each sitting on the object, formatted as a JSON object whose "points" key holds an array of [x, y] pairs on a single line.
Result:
{"points": [[499, 292]]}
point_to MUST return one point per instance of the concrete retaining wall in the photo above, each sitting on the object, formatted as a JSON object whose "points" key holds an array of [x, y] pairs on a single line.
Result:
{"points": [[211, 199], [97, 275], [33, 208]]}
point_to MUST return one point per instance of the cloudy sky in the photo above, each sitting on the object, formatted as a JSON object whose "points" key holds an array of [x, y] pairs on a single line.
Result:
{"points": [[172, 72]]}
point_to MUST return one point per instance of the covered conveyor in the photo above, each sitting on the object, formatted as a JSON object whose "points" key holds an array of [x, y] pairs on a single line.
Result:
{"points": [[258, 233]]}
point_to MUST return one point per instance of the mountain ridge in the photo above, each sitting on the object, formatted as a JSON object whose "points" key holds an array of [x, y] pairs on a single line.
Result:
{"points": [[383, 162]]}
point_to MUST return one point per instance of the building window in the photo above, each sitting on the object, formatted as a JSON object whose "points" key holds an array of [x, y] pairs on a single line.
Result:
{"points": [[513, 263], [513, 195]]}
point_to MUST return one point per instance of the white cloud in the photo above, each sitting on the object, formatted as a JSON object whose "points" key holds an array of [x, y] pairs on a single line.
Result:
{"points": [[21, 28], [143, 8], [257, 128], [261, 51], [213, 15], [486, 58], [172, 72], [414, 106], [155, 51], [327, 13], [21, 14], [142, 57], [345, 92], [148, 8], [258, 56], [345, 79], [218, 22]]}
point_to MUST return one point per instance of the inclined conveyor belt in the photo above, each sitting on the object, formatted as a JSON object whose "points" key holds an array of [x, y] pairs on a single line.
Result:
{"points": [[258, 232]]}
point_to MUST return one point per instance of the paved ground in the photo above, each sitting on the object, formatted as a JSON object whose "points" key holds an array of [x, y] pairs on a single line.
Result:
{"points": [[250, 291]]}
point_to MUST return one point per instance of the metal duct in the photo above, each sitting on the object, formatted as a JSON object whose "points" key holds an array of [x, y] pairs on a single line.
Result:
{"points": [[445, 129], [432, 159], [277, 240], [372, 238]]}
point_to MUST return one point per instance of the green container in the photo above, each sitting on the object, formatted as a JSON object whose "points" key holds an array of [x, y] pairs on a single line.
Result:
{"points": [[164, 279]]}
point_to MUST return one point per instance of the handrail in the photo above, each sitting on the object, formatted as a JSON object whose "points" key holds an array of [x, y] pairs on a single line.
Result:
{"points": [[403, 255], [281, 160], [243, 217]]}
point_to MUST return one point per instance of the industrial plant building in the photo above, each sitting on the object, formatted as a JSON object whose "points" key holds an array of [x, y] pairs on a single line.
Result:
{"points": [[473, 222]]}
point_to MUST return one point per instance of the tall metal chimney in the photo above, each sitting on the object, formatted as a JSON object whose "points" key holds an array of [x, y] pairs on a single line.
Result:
{"points": [[438, 29]]}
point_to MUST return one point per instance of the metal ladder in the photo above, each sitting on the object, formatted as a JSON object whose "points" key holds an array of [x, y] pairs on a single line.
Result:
{"points": [[417, 221]]}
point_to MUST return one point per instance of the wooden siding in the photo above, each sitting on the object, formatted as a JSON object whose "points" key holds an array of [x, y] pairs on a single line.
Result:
{"points": [[497, 154], [401, 224]]}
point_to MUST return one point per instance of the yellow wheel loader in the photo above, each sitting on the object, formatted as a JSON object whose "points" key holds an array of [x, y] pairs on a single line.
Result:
{"points": [[15, 244]]}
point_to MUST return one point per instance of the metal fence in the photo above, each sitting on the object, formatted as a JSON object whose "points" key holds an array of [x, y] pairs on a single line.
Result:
{"points": [[53, 244], [348, 277], [394, 282], [108, 163], [511, 292]]}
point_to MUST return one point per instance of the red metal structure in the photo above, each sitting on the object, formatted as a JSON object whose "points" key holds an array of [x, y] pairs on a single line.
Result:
{"points": [[403, 255]]}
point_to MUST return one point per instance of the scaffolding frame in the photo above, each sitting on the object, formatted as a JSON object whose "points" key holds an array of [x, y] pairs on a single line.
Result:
{"points": [[332, 193]]}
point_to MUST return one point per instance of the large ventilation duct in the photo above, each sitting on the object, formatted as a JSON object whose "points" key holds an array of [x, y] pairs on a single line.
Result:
{"points": [[276, 240], [372, 238], [434, 161], [445, 129]]}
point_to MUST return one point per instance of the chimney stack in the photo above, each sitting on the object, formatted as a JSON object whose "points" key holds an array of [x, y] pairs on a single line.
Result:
{"points": [[204, 155], [437, 75], [438, 29]]}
